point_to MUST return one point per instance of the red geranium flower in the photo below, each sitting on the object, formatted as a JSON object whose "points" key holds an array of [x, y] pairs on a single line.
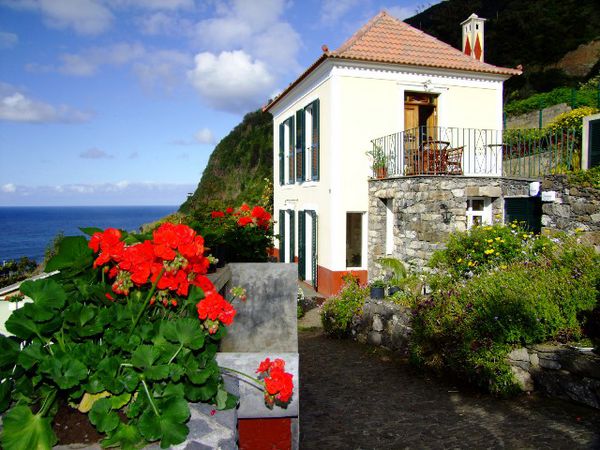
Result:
{"points": [[279, 384], [243, 221], [229, 210], [216, 214]]}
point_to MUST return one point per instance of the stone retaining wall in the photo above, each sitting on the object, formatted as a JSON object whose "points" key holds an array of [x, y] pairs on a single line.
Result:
{"points": [[383, 323], [417, 215], [575, 208], [559, 371], [532, 119]]}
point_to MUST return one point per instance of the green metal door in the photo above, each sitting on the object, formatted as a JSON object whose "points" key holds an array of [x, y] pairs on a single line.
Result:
{"points": [[594, 144], [527, 210], [302, 245]]}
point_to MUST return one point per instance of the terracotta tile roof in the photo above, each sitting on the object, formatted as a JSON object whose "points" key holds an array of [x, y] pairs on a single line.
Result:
{"points": [[385, 39], [389, 40]]}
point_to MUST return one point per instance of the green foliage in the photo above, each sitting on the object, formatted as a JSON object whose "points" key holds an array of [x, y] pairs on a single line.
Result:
{"points": [[337, 311], [585, 97], [483, 248], [13, 270], [72, 341], [571, 119], [238, 166], [534, 291], [585, 178], [396, 268]]}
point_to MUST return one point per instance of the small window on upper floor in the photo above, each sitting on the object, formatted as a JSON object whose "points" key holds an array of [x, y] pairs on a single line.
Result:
{"points": [[308, 143]]}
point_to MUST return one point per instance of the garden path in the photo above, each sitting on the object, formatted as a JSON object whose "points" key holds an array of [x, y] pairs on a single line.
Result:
{"points": [[358, 397]]}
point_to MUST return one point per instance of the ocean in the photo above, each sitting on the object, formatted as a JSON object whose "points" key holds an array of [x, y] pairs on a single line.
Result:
{"points": [[27, 231]]}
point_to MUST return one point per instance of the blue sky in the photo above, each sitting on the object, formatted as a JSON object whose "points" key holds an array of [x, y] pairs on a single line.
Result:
{"points": [[120, 102]]}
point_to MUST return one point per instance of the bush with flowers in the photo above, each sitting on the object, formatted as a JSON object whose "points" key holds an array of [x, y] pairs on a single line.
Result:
{"points": [[530, 289], [126, 332], [337, 311], [242, 234]]}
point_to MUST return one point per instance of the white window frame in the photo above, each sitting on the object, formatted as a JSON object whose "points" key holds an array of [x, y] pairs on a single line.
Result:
{"points": [[485, 214]]}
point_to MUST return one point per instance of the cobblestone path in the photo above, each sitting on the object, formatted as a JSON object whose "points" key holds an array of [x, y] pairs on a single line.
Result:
{"points": [[357, 397]]}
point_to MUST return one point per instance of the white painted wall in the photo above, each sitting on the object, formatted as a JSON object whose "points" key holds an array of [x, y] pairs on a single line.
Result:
{"points": [[360, 102]]}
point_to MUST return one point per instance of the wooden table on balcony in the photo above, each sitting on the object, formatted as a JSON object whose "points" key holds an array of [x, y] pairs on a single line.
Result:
{"points": [[431, 158]]}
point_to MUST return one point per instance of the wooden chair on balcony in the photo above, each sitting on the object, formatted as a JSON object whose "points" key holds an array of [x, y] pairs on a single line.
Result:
{"points": [[454, 160]]}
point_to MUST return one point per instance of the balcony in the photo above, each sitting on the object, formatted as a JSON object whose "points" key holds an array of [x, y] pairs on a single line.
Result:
{"points": [[443, 151]]}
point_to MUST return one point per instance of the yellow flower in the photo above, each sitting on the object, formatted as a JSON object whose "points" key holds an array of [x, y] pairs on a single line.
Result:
{"points": [[503, 266], [459, 260], [489, 251], [513, 225], [502, 241], [525, 236], [579, 230], [498, 238], [489, 241], [471, 264]]}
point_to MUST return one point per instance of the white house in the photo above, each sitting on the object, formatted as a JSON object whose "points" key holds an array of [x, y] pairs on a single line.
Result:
{"points": [[387, 77]]}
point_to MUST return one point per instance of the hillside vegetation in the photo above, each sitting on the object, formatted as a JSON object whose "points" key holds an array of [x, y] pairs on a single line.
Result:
{"points": [[238, 166]]}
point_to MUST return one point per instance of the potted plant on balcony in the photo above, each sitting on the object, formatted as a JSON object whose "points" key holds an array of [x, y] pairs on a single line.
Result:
{"points": [[380, 161], [377, 289]]}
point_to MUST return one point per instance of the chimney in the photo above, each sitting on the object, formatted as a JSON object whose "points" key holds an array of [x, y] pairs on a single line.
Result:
{"points": [[472, 37]]}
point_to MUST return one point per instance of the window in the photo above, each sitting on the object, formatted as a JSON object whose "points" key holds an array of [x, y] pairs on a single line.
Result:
{"points": [[526, 210], [287, 152], [389, 226], [307, 143], [354, 239], [479, 212]]}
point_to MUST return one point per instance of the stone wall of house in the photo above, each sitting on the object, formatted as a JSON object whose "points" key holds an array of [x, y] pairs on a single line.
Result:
{"points": [[383, 323], [418, 226], [575, 208], [558, 371]]}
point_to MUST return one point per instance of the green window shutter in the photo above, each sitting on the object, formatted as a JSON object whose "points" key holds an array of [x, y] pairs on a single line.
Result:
{"points": [[302, 245], [291, 152], [300, 145], [594, 144], [292, 238], [281, 235], [314, 248], [281, 152], [316, 143]]}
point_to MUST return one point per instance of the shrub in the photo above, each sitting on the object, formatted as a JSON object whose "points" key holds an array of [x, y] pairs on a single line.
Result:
{"points": [[585, 178], [337, 311], [468, 325], [571, 119]]}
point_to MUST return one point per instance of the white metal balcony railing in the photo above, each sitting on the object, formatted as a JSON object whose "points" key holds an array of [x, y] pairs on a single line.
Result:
{"points": [[475, 152]]}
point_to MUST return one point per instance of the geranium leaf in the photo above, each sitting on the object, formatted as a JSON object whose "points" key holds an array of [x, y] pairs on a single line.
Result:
{"points": [[156, 373], [102, 416], [31, 355], [66, 372], [221, 398], [199, 376], [118, 401], [144, 356], [25, 431], [73, 253], [22, 326], [169, 427], [9, 350], [186, 332], [126, 437], [129, 380], [5, 397], [90, 230], [175, 372]]}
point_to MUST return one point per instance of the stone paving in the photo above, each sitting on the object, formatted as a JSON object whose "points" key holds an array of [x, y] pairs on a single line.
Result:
{"points": [[357, 397]]}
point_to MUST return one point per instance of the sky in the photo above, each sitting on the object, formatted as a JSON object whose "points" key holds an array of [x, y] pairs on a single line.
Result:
{"points": [[121, 102]]}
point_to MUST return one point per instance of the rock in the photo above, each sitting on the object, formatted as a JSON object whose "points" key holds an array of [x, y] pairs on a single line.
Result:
{"points": [[519, 354], [534, 359], [523, 379], [374, 338], [377, 324], [549, 364]]}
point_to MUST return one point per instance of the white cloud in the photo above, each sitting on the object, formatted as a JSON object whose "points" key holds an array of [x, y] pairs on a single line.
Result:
{"points": [[87, 62], [333, 10], [95, 153], [117, 193], [255, 27], [87, 17], [8, 40], [163, 23], [162, 67], [204, 136], [17, 107], [155, 4], [9, 188], [231, 81]]}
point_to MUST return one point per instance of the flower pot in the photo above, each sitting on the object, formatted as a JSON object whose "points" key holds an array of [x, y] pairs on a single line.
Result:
{"points": [[381, 172], [377, 292]]}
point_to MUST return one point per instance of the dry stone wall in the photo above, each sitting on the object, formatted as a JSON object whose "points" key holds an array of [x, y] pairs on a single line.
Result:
{"points": [[418, 228], [574, 209]]}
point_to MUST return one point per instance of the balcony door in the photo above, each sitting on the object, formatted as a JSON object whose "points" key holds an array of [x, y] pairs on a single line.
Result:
{"points": [[420, 112]]}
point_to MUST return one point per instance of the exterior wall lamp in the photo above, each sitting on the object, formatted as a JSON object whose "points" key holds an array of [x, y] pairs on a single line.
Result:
{"points": [[446, 214]]}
